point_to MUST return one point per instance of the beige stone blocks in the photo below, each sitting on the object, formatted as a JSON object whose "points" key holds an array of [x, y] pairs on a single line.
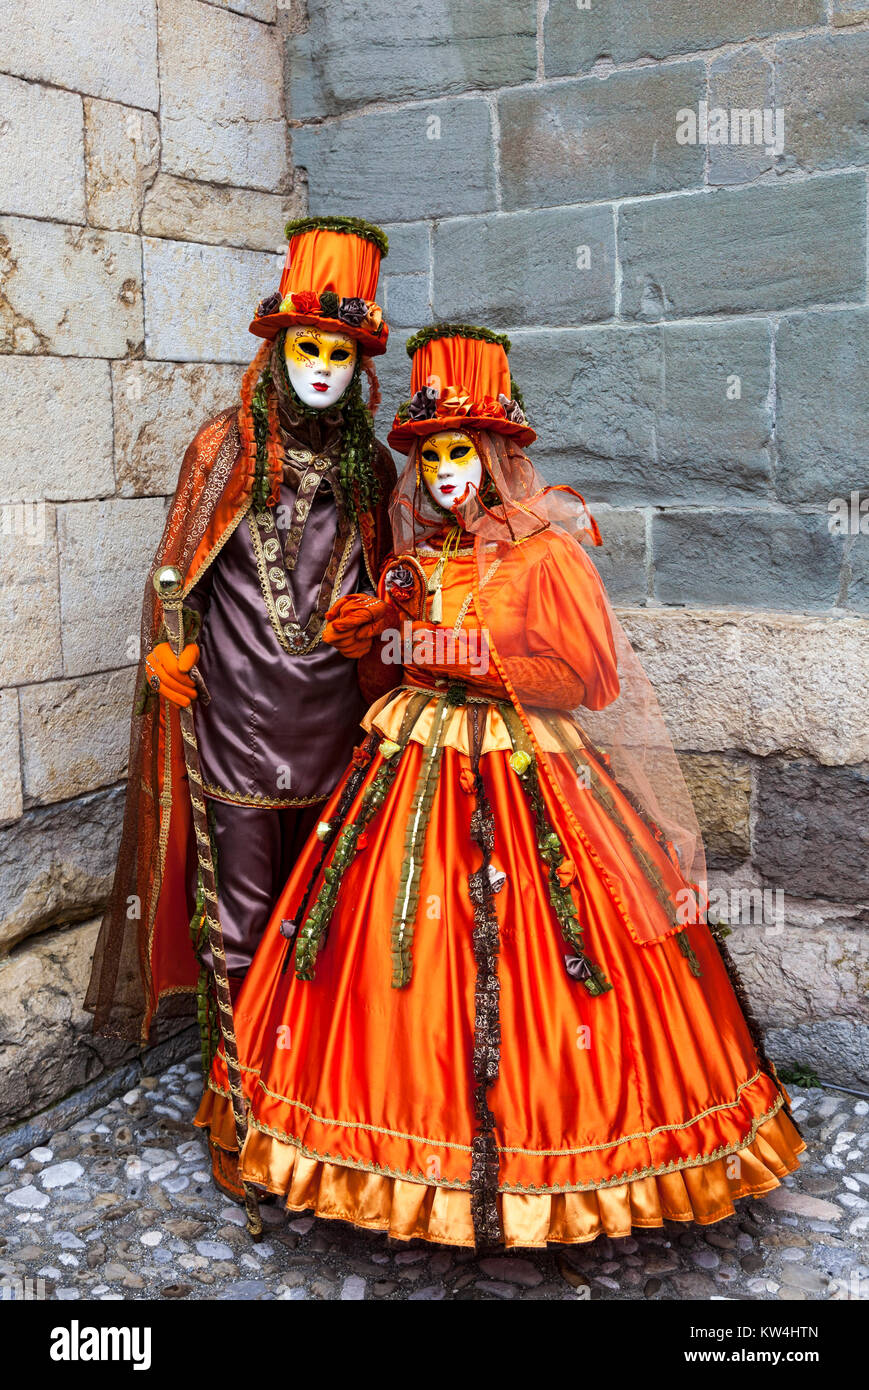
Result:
{"points": [[158, 407], [69, 291], [200, 300], [42, 166], [105, 552], [221, 112], [122, 150], [55, 428], [75, 734]]}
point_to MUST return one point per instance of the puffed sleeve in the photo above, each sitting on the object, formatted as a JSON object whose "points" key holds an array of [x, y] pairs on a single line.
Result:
{"points": [[568, 618]]}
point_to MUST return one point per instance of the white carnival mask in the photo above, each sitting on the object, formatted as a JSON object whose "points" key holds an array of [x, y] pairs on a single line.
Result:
{"points": [[451, 467], [320, 365]]}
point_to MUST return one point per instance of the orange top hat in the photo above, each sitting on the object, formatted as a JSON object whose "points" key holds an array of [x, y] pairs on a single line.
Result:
{"points": [[460, 380], [329, 282]]}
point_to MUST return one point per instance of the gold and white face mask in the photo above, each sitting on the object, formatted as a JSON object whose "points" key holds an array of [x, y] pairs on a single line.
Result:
{"points": [[320, 365], [451, 467]]}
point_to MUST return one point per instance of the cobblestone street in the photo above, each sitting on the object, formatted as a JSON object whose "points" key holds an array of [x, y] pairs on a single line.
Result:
{"points": [[121, 1206]]}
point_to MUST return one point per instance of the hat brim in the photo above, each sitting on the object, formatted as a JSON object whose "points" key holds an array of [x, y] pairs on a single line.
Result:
{"points": [[401, 437], [270, 325]]}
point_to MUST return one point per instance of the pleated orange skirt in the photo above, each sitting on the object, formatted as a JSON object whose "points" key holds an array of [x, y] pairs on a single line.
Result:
{"points": [[610, 1112]]}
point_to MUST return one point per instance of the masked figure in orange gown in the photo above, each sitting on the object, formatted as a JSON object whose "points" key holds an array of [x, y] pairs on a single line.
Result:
{"points": [[488, 1008]]}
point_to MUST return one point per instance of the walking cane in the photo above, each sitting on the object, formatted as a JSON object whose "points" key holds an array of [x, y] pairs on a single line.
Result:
{"points": [[169, 584]]}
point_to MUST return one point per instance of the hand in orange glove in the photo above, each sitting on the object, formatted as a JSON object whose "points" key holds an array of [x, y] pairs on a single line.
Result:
{"points": [[353, 622], [167, 672], [458, 664]]}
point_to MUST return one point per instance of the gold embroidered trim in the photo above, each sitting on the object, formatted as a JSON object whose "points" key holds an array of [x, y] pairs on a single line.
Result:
{"points": [[217, 547], [465, 608], [542, 1189], [466, 1148], [266, 802], [163, 844], [648, 1134], [359, 1164], [674, 1166], [465, 553], [344, 1124], [176, 989], [266, 586]]}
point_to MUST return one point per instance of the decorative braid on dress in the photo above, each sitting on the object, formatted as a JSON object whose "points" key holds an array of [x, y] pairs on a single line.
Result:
{"points": [[315, 925], [362, 757], [487, 1016], [579, 966]]}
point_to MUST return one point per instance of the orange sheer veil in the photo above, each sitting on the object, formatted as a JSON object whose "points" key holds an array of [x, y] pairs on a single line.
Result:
{"points": [[627, 737]]}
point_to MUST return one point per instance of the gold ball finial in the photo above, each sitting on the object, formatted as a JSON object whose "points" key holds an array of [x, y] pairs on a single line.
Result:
{"points": [[168, 582]]}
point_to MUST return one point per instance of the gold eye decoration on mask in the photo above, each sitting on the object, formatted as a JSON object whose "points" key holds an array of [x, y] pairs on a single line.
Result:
{"points": [[430, 464], [313, 345], [448, 449]]}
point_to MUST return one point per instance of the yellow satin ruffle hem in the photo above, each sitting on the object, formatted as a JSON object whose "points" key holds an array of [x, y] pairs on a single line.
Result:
{"points": [[407, 1210]]}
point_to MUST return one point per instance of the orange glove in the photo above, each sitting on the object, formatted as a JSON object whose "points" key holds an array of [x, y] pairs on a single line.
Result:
{"points": [[354, 621], [456, 668], [166, 672]]}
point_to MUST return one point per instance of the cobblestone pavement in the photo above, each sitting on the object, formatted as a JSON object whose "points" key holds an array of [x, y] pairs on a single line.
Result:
{"points": [[121, 1206]]}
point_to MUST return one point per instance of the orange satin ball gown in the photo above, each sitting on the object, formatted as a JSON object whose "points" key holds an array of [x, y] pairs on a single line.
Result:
{"points": [[620, 1094]]}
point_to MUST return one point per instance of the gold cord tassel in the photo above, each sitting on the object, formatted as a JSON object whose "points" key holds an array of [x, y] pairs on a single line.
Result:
{"points": [[436, 603], [434, 586]]}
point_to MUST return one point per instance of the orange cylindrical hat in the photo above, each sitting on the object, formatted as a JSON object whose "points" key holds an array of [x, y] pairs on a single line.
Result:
{"points": [[329, 281], [460, 379]]}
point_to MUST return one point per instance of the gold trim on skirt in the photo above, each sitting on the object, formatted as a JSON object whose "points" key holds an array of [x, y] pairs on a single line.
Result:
{"points": [[406, 1210]]}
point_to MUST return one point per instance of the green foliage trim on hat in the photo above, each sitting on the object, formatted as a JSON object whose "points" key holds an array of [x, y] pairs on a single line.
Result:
{"points": [[454, 330], [353, 226]]}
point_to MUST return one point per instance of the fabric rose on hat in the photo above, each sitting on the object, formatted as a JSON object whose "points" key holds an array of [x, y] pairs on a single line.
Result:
{"points": [[490, 409], [513, 411], [423, 404], [353, 312], [373, 320], [306, 302], [454, 401], [270, 305]]}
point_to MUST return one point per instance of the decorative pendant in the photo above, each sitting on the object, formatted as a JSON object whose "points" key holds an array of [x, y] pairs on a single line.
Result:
{"points": [[436, 607]]}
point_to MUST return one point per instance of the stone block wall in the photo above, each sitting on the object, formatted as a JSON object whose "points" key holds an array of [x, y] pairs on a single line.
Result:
{"points": [[691, 334], [144, 186]]}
